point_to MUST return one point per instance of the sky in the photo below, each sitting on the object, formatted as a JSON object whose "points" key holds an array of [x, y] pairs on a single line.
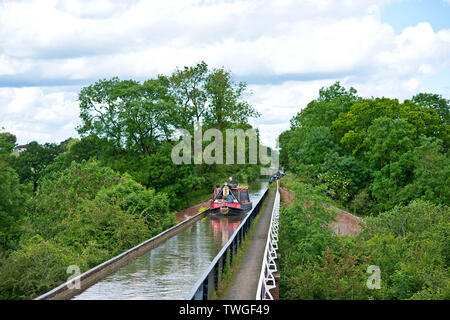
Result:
{"points": [[284, 50]]}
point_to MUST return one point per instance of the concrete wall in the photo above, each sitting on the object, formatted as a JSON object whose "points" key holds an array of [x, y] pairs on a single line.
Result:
{"points": [[90, 277]]}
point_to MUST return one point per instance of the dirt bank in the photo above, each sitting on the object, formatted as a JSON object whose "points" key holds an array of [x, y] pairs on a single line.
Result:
{"points": [[346, 224], [286, 196], [189, 212]]}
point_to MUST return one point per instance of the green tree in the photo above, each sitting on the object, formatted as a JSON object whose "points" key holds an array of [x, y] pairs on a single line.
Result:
{"points": [[12, 199], [326, 108], [350, 128], [435, 102], [30, 163], [8, 141], [147, 113], [226, 100], [388, 140], [431, 172], [317, 144], [188, 88], [356, 172], [132, 115], [60, 192]]}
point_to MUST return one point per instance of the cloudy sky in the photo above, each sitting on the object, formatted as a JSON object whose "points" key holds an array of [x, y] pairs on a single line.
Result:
{"points": [[285, 51]]}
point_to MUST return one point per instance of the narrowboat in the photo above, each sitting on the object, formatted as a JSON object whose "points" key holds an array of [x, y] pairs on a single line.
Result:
{"points": [[240, 203]]}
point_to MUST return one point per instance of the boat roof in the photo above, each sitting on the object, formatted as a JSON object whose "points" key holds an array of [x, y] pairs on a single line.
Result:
{"points": [[240, 187]]}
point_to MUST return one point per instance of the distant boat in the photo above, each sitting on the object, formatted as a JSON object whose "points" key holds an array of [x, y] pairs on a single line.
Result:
{"points": [[241, 203]]}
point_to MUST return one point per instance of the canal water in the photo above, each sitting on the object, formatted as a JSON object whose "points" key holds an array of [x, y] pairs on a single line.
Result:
{"points": [[171, 270]]}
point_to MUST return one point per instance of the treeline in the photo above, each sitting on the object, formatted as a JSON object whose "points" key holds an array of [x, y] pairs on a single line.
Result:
{"points": [[372, 154], [385, 160], [83, 201]]}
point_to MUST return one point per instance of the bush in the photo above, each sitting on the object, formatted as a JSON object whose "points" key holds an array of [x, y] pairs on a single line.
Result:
{"points": [[101, 228], [134, 199], [37, 267], [408, 243]]}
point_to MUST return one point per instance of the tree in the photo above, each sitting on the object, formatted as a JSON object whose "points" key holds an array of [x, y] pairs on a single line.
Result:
{"points": [[188, 88], [326, 108], [226, 103], [12, 199], [355, 171], [147, 113], [30, 163], [388, 140], [36, 268], [132, 115], [100, 111], [350, 128], [435, 102], [60, 192], [8, 141], [431, 172], [134, 199], [317, 144]]}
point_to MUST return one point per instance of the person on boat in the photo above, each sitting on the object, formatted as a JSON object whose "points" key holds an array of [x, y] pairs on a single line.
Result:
{"points": [[217, 192], [233, 183], [226, 193]]}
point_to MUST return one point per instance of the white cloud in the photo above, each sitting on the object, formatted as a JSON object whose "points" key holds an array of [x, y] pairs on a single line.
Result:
{"points": [[33, 114], [316, 41]]}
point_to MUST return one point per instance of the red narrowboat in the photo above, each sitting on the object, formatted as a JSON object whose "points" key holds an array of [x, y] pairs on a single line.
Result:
{"points": [[237, 202]]}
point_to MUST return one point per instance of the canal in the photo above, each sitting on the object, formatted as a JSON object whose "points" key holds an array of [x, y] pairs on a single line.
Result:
{"points": [[170, 270]]}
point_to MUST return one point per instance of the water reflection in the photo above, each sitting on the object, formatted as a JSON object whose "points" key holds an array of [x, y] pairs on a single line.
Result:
{"points": [[223, 228], [170, 270]]}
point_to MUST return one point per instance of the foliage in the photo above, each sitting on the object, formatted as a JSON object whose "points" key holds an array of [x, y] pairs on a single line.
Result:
{"points": [[305, 224], [435, 102], [326, 108], [30, 163], [98, 231], [188, 88], [86, 200], [12, 199], [135, 200], [318, 142], [84, 215], [132, 115], [382, 148], [409, 244], [390, 162], [226, 103], [38, 267]]}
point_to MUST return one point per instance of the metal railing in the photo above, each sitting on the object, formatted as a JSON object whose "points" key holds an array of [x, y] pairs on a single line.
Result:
{"points": [[211, 278], [269, 267]]}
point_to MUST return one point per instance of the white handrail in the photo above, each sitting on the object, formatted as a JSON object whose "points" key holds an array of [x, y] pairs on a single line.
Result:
{"points": [[266, 279]]}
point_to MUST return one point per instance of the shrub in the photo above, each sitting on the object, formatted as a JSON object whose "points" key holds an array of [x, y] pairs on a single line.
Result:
{"points": [[35, 268]]}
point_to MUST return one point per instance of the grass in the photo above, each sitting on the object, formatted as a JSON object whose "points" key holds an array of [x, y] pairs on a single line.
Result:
{"points": [[230, 272]]}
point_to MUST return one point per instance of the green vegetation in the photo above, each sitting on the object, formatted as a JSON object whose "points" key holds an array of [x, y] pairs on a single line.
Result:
{"points": [[385, 160], [377, 150], [83, 201]]}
